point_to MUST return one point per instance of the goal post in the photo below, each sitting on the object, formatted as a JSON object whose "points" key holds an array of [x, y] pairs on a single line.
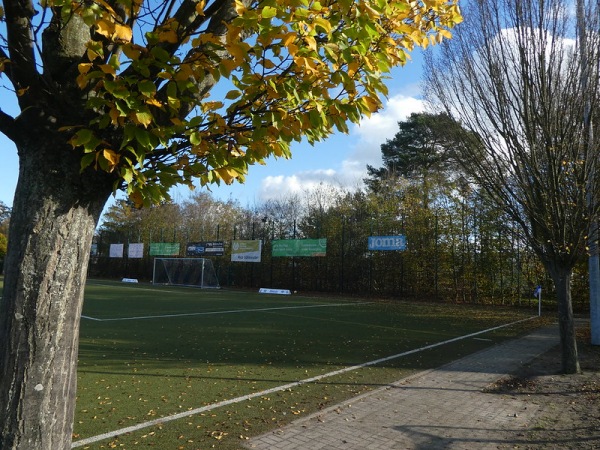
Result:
{"points": [[198, 272]]}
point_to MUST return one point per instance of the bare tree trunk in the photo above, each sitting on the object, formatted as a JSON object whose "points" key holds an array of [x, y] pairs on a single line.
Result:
{"points": [[54, 216], [562, 282]]}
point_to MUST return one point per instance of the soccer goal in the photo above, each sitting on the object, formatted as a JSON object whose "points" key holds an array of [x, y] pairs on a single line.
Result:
{"points": [[198, 272]]}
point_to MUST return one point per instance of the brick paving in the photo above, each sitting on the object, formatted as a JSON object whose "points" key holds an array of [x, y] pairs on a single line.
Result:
{"points": [[444, 408]]}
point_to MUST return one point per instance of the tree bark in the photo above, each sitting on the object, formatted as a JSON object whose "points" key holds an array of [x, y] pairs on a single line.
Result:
{"points": [[566, 323], [55, 211]]}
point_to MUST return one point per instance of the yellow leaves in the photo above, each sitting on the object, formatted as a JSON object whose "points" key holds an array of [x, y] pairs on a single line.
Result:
{"points": [[324, 24], [168, 32], [211, 106], [137, 199], [114, 31], [112, 158], [288, 39], [311, 43], [169, 36], [233, 94], [227, 174], [107, 69], [352, 68], [268, 12], [268, 64], [293, 49], [237, 152], [445, 34], [305, 70], [114, 115], [200, 8], [185, 72], [238, 50], [226, 66], [95, 50], [133, 51], [371, 104], [84, 68], [306, 64], [240, 8], [218, 435], [3, 63], [154, 102], [144, 118]]}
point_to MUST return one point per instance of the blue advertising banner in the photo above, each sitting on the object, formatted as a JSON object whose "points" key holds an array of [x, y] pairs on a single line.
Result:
{"points": [[387, 242], [211, 248]]}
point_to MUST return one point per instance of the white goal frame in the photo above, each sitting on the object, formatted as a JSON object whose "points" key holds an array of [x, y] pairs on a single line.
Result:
{"points": [[195, 272]]}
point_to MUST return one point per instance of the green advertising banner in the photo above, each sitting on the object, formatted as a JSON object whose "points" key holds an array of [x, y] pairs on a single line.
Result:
{"points": [[300, 247], [164, 249]]}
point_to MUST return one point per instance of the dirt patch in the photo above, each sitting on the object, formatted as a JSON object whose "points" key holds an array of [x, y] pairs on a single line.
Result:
{"points": [[569, 405]]}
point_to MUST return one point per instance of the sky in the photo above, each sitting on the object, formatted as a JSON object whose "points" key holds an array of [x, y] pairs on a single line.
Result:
{"points": [[340, 160]]}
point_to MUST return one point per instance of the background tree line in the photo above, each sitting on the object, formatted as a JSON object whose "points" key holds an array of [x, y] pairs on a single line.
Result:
{"points": [[460, 248]]}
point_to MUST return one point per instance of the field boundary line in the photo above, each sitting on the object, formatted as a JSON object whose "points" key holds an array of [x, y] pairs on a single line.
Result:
{"points": [[210, 313], [95, 319], [134, 286], [192, 412]]}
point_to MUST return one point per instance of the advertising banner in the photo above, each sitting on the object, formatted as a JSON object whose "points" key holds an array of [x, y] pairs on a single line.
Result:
{"points": [[387, 242], [212, 248], [135, 250], [246, 251], [300, 247], [164, 249], [116, 251]]}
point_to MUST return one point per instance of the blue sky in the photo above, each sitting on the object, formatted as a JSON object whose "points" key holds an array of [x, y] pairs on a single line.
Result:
{"points": [[340, 160]]}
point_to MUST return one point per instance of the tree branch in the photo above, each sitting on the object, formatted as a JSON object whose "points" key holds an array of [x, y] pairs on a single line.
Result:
{"points": [[7, 126], [7, 73], [22, 69]]}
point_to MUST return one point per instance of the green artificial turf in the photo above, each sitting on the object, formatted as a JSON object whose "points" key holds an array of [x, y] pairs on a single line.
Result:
{"points": [[133, 371]]}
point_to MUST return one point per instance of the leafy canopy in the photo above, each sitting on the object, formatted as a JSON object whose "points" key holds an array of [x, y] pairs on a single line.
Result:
{"points": [[286, 69]]}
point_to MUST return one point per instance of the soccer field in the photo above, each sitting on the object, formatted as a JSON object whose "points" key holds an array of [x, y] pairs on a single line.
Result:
{"points": [[184, 368]]}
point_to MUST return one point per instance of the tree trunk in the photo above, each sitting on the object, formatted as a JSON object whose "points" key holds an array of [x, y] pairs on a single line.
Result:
{"points": [[566, 323], [55, 211]]}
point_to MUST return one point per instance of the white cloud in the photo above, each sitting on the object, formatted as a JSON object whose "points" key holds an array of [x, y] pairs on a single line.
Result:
{"points": [[280, 186], [365, 148], [375, 130]]}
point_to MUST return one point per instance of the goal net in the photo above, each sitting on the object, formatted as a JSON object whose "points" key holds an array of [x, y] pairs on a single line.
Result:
{"points": [[198, 272]]}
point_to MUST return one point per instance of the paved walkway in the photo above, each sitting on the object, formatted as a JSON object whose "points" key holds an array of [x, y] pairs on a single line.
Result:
{"points": [[443, 408]]}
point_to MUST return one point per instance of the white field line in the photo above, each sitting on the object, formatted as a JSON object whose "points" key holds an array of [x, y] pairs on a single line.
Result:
{"points": [[232, 311], [137, 288], [91, 318], [191, 412]]}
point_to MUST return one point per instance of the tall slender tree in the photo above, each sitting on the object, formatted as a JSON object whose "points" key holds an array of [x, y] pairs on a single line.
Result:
{"points": [[513, 78]]}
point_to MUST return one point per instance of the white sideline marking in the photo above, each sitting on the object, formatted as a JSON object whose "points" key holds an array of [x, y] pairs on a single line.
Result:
{"points": [[136, 287], [231, 311], [91, 318], [181, 415]]}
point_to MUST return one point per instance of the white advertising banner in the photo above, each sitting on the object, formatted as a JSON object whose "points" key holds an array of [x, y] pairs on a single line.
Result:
{"points": [[136, 250], [116, 251], [246, 251]]}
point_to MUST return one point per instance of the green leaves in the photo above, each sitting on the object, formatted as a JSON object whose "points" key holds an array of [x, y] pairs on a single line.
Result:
{"points": [[290, 70]]}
